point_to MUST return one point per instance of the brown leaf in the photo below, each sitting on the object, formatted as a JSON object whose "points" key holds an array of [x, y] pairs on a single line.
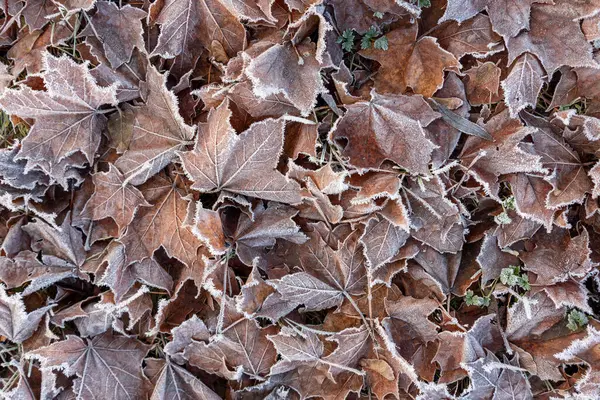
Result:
{"points": [[569, 179], [107, 365], [473, 36], [118, 29], [413, 63], [557, 257], [530, 194], [222, 160], [68, 117], [394, 132], [509, 17], [489, 160], [155, 131], [185, 24], [523, 84], [16, 324], [555, 37], [329, 276], [163, 224], [483, 84], [291, 71], [269, 223], [382, 240], [171, 381], [114, 198], [493, 259]]}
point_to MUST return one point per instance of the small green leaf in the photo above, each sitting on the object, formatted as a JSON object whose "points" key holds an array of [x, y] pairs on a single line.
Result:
{"points": [[381, 43], [347, 40], [365, 43], [508, 277], [577, 320], [473, 300], [509, 203], [502, 219], [378, 14], [424, 3]]}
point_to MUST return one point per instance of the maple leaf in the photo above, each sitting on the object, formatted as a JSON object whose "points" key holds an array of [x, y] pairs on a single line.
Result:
{"points": [[492, 259], [435, 219], [491, 378], [120, 274], [106, 365], [530, 193], [459, 348], [585, 350], [16, 324], [474, 36], [29, 51], [394, 132], [62, 252], [170, 381], [291, 71], [156, 131], [523, 84], [483, 83], [303, 349], [118, 29], [243, 346], [329, 276], [535, 329], [488, 160], [555, 37], [68, 116], [269, 223], [509, 17], [187, 23], [114, 198], [222, 160], [163, 224], [411, 62], [382, 240], [251, 10], [558, 258], [569, 179]]}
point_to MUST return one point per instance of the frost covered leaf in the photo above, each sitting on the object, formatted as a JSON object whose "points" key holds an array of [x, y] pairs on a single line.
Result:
{"points": [[554, 36], [163, 224], [106, 365], [523, 84], [504, 155], [269, 223], [16, 324], [393, 131], [68, 116], [118, 29], [509, 17], [243, 346], [569, 179], [474, 36], [411, 63], [222, 160], [329, 276], [557, 257], [187, 23], [171, 382], [530, 193], [114, 198], [382, 240], [155, 130], [491, 378], [61, 249], [292, 72]]}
